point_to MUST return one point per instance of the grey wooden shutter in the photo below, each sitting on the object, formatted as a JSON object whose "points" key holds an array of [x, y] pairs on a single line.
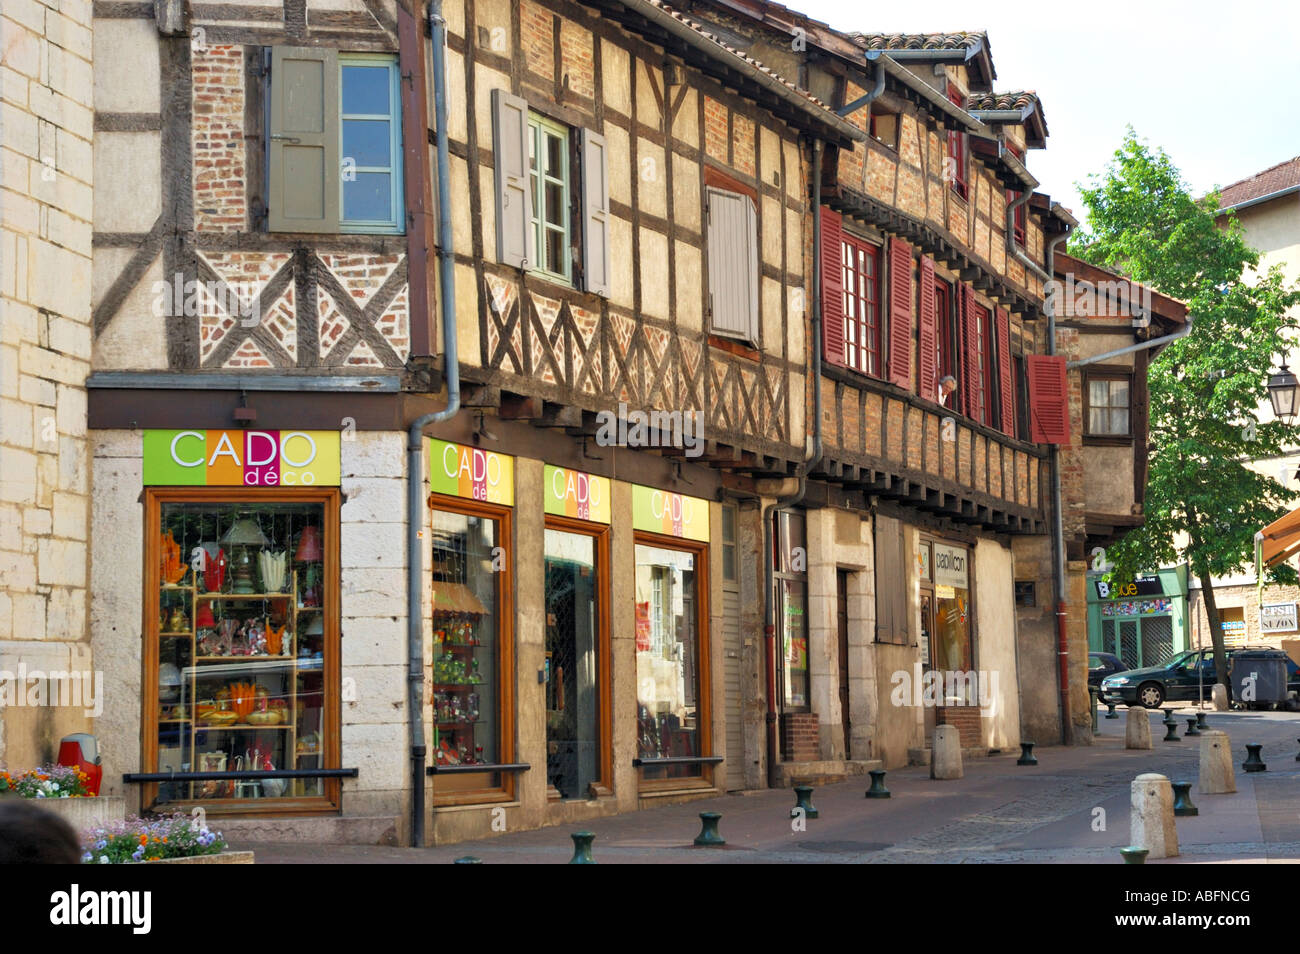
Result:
{"points": [[891, 581], [304, 140], [514, 194], [595, 213], [733, 265]]}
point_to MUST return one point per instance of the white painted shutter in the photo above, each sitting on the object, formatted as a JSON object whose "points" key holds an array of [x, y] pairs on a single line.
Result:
{"points": [[733, 265], [514, 223], [304, 140], [595, 213]]}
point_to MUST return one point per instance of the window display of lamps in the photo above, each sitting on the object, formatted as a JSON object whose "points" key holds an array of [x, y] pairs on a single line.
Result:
{"points": [[309, 555], [244, 533]]}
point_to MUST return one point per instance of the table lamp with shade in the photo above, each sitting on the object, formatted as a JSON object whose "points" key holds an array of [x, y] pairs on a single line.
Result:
{"points": [[244, 533], [311, 554]]}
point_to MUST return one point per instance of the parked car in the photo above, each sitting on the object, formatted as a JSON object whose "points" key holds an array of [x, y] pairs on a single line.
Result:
{"points": [[1188, 676], [1101, 665]]}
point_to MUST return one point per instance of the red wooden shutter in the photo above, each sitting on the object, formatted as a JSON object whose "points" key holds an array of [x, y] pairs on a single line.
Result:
{"points": [[1049, 411], [970, 332], [832, 279], [900, 314], [927, 362], [1004, 373]]}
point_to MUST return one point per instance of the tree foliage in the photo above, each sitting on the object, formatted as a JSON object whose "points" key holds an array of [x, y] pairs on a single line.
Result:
{"points": [[1203, 504]]}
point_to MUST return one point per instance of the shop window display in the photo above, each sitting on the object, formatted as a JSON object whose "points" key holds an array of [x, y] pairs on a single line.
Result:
{"points": [[667, 659], [243, 612], [467, 565]]}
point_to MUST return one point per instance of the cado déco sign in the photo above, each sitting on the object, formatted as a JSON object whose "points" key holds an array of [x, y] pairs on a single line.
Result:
{"points": [[240, 458], [572, 493], [471, 472]]}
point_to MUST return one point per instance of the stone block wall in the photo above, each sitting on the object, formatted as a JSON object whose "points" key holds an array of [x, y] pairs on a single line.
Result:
{"points": [[46, 118]]}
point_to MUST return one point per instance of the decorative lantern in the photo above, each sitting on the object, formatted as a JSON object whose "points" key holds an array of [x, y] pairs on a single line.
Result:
{"points": [[310, 553], [244, 533], [1282, 391]]}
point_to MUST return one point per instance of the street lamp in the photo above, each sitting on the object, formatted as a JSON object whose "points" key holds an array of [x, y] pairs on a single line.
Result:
{"points": [[1282, 390]]}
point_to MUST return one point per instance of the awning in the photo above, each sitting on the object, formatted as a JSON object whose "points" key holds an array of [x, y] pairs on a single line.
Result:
{"points": [[1279, 540]]}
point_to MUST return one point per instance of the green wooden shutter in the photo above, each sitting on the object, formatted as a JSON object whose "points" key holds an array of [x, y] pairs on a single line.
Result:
{"points": [[595, 214], [304, 140], [510, 133]]}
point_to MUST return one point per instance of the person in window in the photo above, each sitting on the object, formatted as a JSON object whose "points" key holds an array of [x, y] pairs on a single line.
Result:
{"points": [[947, 386]]}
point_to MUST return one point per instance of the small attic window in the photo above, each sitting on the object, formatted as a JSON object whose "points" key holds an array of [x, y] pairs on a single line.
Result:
{"points": [[884, 127]]}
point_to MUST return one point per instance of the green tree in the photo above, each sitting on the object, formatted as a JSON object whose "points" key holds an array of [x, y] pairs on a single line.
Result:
{"points": [[1203, 503]]}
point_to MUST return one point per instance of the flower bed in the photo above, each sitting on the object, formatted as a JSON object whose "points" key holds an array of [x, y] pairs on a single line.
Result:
{"points": [[138, 839], [48, 781]]}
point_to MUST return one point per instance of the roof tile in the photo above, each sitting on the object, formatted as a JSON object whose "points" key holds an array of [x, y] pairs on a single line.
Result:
{"points": [[1284, 175]]}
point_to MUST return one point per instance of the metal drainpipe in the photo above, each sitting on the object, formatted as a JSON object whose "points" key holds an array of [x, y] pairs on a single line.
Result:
{"points": [[415, 437], [1058, 524], [815, 456]]}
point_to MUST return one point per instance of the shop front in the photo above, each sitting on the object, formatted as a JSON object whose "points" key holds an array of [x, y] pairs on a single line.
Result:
{"points": [[948, 644], [241, 620], [673, 699], [1143, 621]]}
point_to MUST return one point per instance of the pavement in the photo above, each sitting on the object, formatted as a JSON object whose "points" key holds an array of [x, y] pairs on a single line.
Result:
{"points": [[1072, 808]]}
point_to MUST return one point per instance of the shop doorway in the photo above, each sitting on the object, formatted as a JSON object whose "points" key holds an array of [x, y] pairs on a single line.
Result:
{"points": [[575, 662], [1139, 642], [732, 650], [842, 631]]}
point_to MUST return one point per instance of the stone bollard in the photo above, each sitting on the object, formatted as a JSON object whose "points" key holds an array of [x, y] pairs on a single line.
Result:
{"points": [[1219, 696], [709, 836], [1216, 777], [945, 753], [1137, 729], [1151, 824], [1183, 800]]}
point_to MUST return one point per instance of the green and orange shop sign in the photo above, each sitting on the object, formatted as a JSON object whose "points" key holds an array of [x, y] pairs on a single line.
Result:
{"points": [[241, 458], [572, 493], [471, 472], [660, 511]]}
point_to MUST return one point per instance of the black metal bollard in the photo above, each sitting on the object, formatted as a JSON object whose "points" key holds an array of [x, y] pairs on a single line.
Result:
{"points": [[1183, 799], [1171, 726], [1253, 762], [1093, 695], [468, 860], [582, 848], [1297, 758], [1026, 754], [877, 789], [1200, 721], [1110, 711], [1191, 728], [803, 801], [1134, 856], [708, 836]]}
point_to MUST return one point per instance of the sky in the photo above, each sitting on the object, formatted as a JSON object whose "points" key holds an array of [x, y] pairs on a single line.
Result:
{"points": [[1217, 85]]}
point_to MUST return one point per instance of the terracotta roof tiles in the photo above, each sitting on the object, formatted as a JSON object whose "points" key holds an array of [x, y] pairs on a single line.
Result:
{"points": [[1284, 175]]}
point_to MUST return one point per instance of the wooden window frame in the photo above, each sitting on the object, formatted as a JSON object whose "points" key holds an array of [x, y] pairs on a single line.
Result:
{"points": [[540, 126], [872, 127], [600, 534], [505, 791], [945, 333], [852, 247], [1103, 372], [957, 150], [395, 225], [330, 499], [984, 345], [705, 779]]}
